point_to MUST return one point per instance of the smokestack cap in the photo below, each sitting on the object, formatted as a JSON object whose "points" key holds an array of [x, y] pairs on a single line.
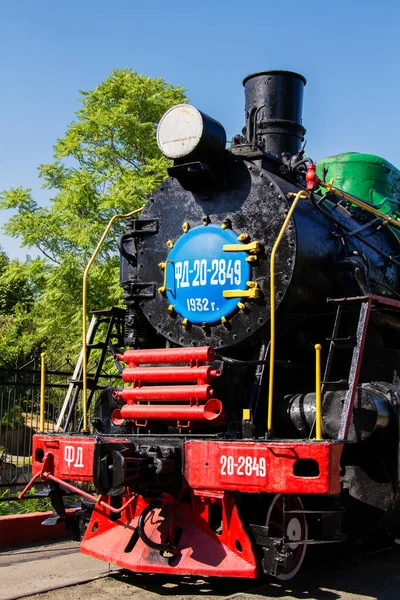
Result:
{"points": [[274, 106], [276, 72]]}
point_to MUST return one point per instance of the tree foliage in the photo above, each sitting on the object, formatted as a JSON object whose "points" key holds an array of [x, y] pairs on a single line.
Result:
{"points": [[107, 162], [18, 288]]}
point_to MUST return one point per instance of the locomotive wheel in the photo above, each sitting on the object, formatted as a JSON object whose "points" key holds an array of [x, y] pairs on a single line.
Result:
{"points": [[287, 530]]}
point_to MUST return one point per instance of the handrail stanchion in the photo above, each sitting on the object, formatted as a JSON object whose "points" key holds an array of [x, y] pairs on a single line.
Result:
{"points": [[84, 298], [42, 389], [301, 194], [318, 401]]}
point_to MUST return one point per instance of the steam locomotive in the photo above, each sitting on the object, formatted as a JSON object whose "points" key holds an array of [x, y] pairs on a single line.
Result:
{"points": [[246, 276]]}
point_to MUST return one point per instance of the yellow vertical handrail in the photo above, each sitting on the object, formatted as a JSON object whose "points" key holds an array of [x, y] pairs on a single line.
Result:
{"points": [[42, 389], [84, 300], [301, 194], [318, 400]]}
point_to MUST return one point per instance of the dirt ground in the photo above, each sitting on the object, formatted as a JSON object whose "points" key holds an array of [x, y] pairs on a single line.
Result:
{"points": [[368, 577]]}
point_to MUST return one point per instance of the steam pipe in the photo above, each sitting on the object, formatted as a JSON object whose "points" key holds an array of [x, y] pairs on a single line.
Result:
{"points": [[167, 355], [164, 393], [170, 374], [210, 411]]}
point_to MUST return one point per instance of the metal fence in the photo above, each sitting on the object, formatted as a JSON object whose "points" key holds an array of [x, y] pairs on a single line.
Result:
{"points": [[19, 415]]}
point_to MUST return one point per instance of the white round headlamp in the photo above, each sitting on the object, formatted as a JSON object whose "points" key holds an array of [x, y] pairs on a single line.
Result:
{"points": [[185, 131]]}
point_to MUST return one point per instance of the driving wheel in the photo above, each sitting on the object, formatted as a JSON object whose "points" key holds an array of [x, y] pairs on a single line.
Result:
{"points": [[287, 530]]}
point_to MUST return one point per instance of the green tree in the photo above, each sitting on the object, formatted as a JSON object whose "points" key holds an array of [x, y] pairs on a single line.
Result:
{"points": [[19, 285], [107, 162]]}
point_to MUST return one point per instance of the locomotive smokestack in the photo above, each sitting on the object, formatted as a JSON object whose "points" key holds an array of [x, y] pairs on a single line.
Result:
{"points": [[274, 103]]}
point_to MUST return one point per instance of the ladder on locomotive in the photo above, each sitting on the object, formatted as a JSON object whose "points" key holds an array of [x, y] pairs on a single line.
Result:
{"points": [[114, 322], [356, 343]]}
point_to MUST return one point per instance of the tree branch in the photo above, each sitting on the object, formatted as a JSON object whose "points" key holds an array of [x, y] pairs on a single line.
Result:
{"points": [[38, 244]]}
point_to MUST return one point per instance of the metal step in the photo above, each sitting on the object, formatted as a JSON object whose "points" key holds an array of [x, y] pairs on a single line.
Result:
{"points": [[343, 343], [333, 540], [114, 311], [261, 536], [79, 383], [340, 384], [97, 346], [51, 521], [314, 512]]}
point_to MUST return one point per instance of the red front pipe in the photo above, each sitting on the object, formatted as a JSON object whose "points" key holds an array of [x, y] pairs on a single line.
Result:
{"points": [[210, 411], [173, 374], [81, 492], [167, 355], [29, 485], [164, 393]]}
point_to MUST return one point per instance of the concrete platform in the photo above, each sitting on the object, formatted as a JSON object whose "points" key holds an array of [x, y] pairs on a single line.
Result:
{"points": [[31, 570]]}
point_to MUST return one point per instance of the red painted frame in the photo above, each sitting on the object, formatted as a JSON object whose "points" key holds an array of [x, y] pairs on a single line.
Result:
{"points": [[201, 551], [205, 467], [71, 459]]}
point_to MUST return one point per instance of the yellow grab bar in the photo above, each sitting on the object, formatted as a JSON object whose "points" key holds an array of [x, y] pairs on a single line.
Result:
{"points": [[84, 299], [42, 389], [301, 194], [318, 401], [164, 265], [360, 203]]}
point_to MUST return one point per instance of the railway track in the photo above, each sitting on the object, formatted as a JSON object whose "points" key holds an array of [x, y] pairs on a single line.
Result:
{"points": [[373, 574]]}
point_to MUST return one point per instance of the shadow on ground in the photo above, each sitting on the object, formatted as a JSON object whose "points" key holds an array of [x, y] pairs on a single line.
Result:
{"points": [[375, 576]]}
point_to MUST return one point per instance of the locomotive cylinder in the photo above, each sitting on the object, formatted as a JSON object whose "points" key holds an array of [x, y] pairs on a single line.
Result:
{"points": [[371, 412], [274, 104]]}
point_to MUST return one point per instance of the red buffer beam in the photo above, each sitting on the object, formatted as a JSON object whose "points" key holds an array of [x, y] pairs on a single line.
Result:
{"points": [[170, 374], [210, 411], [167, 355], [165, 393]]}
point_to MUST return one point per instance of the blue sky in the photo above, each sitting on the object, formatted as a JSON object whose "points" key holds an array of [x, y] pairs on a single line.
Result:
{"points": [[349, 51]]}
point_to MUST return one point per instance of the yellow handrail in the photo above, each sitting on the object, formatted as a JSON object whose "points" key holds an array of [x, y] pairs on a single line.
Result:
{"points": [[84, 298], [42, 389], [360, 203], [318, 401], [164, 265], [301, 194]]}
